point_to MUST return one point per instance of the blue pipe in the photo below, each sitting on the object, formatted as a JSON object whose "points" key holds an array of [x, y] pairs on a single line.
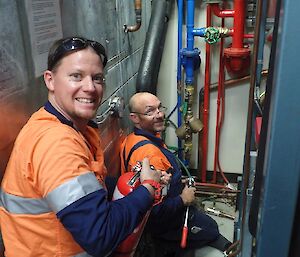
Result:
{"points": [[199, 32], [189, 66], [186, 56], [179, 38], [179, 118]]}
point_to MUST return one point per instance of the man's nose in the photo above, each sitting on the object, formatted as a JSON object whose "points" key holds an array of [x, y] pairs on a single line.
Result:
{"points": [[159, 113], [89, 84]]}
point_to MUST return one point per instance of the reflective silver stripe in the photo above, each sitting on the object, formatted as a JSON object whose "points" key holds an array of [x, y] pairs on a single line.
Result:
{"points": [[58, 199], [87, 255], [73, 190], [21, 205], [82, 255]]}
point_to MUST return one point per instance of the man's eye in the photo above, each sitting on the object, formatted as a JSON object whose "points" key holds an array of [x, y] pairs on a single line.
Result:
{"points": [[150, 111], [76, 76], [99, 79]]}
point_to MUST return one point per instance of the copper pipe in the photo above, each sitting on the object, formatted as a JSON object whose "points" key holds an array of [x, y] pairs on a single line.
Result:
{"points": [[214, 185], [216, 194], [233, 82], [138, 17]]}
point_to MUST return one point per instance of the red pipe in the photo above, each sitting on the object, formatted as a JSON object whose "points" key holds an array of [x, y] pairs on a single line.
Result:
{"points": [[237, 56], [231, 32], [220, 110], [206, 101], [220, 113], [248, 35], [221, 13], [238, 24], [222, 98]]}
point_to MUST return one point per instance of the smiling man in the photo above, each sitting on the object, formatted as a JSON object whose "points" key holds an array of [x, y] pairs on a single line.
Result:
{"points": [[53, 196], [166, 219]]}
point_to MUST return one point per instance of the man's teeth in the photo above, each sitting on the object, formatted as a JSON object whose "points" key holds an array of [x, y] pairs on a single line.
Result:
{"points": [[84, 100]]}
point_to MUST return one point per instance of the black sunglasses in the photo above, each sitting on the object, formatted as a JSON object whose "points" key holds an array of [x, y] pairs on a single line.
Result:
{"points": [[76, 43]]}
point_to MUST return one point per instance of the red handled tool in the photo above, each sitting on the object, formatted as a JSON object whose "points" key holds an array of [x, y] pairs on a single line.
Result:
{"points": [[185, 229]]}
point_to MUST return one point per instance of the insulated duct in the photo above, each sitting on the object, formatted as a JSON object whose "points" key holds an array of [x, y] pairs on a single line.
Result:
{"points": [[153, 48]]}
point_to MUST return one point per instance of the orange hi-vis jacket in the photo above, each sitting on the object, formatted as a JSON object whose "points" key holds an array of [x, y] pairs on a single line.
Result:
{"points": [[155, 156], [171, 208], [33, 229], [166, 218], [53, 195]]}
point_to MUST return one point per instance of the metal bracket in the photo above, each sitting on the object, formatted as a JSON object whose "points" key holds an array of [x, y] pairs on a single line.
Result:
{"points": [[117, 106]]}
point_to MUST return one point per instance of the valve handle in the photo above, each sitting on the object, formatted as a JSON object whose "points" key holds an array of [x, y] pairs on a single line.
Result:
{"points": [[212, 35]]}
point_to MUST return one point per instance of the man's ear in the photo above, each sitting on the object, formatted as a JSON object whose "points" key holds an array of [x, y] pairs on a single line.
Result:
{"points": [[48, 78], [134, 118]]}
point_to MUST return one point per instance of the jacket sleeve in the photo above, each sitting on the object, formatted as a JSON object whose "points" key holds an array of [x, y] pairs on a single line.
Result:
{"points": [[99, 226], [170, 206], [65, 177]]}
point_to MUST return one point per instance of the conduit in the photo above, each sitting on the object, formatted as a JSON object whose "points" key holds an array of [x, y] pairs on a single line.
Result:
{"points": [[154, 44]]}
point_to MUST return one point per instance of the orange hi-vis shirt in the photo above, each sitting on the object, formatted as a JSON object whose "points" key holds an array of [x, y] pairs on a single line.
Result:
{"points": [[155, 156], [36, 186]]}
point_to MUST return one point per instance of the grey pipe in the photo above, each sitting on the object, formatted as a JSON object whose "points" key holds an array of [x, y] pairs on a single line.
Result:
{"points": [[154, 45]]}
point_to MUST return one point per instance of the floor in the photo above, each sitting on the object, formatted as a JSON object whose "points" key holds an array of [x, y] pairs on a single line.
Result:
{"points": [[226, 224], [222, 210]]}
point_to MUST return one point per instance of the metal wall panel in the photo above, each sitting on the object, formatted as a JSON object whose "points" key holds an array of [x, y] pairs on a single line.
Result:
{"points": [[21, 92]]}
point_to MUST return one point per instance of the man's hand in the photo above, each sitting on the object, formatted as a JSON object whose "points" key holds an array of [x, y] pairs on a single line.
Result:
{"points": [[165, 178], [188, 195], [148, 173]]}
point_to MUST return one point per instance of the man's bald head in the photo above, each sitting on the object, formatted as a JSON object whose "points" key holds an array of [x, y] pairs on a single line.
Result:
{"points": [[137, 101], [145, 112]]}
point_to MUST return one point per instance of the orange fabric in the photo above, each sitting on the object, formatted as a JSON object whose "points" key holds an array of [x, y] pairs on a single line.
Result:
{"points": [[32, 172], [155, 156]]}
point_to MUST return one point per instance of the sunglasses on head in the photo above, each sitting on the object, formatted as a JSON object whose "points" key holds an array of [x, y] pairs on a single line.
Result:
{"points": [[76, 43]]}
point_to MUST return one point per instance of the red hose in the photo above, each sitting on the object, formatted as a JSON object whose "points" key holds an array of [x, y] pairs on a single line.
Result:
{"points": [[218, 118], [220, 114]]}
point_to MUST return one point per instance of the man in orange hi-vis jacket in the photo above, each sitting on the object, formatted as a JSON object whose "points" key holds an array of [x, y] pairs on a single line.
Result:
{"points": [[166, 219], [53, 196]]}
